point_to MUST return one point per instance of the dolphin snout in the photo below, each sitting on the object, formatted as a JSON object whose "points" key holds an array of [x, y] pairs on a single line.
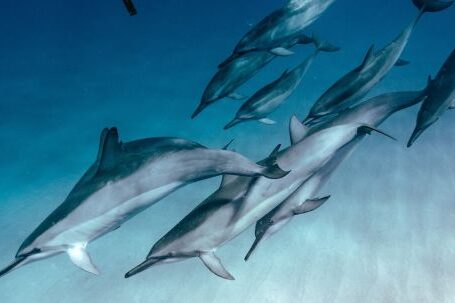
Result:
{"points": [[416, 134], [234, 122], [141, 267], [13, 265], [199, 109]]}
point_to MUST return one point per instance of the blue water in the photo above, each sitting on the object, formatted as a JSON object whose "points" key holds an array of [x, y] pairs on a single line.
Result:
{"points": [[70, 68]]}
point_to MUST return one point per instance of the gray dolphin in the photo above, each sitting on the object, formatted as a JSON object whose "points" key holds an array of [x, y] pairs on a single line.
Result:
{"points": [[441, 97], [240, 201], [270, 97], [233, 73], [283, 24], [357, 83], [125, 179], [371, 112]]}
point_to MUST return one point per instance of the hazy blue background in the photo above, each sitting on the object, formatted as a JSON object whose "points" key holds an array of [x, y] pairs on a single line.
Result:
{"points": [[70, 68]]}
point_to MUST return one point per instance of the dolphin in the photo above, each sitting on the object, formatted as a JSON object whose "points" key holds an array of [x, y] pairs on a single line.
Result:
{"points": [[130, 7], [281, 25], [270, 97], [371, 112], [349, 89], [240, 201], [233, 73], [125, 179], [440, 97]]}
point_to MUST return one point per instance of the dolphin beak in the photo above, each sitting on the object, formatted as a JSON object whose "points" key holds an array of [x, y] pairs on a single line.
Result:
{"points": [[199, 109], [143, 266], [258, 239], [416, 134], [13, 265], [234, 122]]}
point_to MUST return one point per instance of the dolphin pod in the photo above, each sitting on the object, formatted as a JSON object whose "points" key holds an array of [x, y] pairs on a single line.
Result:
{"points": [[371, 112], [125, 179], [284, 24], [273, 36], [349, 89], [440, 97], [240, 200], [234, 73], [270, 97]]}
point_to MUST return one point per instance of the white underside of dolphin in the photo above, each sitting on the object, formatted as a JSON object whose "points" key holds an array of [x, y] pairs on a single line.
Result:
{"points": [[240, 202], [125, 180]]}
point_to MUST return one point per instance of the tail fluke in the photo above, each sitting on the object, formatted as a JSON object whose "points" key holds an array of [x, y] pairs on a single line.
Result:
{"points": [[324, 46], [273, 171], [304, 39], [432, 5]]}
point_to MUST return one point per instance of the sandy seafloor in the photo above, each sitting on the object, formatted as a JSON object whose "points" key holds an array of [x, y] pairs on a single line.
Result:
{"points": [[70, 68]]}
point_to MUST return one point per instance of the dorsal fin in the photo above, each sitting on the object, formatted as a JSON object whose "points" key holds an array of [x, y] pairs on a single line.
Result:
{"points": [[109, 149], [297, 131], [368, 57]]}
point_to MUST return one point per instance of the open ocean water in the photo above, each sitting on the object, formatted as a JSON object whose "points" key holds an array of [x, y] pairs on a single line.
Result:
{"points": [[70, 68]]}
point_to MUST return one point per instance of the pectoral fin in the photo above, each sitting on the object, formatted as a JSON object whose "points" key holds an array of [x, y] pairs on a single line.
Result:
{"points": [[281, 51], [310, 205], [228, 144], [267, 121], [367, 129], [401, 62], [213, 263], [81, 259], [236, 96]]}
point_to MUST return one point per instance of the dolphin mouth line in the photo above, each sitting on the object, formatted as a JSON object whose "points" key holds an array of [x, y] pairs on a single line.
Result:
{"points": [[143, 266], [30, 253], [13, 265], [18, 260]]}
